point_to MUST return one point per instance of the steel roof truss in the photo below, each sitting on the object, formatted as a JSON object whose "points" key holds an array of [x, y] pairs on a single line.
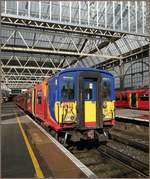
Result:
{"points": [[33, 23]]}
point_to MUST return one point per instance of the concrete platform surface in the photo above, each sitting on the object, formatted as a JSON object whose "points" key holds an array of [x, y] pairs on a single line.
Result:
{"points": [[29, 152], [139, 115]]}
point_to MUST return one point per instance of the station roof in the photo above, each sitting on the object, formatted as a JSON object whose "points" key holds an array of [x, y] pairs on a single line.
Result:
{"points": [[40, 38]]}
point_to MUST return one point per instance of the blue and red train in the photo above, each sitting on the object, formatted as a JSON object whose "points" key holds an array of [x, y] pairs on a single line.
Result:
{"points": [[76, 103]]}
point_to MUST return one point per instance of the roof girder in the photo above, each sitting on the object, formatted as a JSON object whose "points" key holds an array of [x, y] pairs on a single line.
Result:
{"points": [[47, 25]]}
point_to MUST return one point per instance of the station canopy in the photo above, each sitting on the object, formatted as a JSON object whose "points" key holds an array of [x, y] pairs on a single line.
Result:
{"points": [[40, 38]]}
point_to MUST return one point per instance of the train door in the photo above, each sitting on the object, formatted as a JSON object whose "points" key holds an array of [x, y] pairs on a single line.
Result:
{"points": [[133, 100], [45, 102], [90, 100], [39, 103], [33, 101]]}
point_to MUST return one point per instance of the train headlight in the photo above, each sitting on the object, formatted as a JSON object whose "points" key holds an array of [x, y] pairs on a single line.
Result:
{"points": [[104, 104]]}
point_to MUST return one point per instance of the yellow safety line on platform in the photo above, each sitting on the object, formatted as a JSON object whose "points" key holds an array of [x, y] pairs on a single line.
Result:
{"points": [[38, 170]]}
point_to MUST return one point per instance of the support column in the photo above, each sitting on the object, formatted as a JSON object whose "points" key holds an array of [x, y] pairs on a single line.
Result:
{"points": [[131, 75], [121, 76]]}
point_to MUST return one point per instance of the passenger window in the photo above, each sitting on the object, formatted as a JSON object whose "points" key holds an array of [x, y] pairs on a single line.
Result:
{"points": [[144, 97], [88, 91], [124, 98], [39, 97], [67, 88], [106, 88], [117, 98]]}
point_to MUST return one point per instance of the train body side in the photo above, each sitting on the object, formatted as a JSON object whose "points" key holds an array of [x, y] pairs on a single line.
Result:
{"points": [[136, 99], [142, 99], [122, 99]]}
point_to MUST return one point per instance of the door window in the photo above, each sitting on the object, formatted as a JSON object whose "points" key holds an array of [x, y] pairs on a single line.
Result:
{"points": [[88, 91], [133, 98]]}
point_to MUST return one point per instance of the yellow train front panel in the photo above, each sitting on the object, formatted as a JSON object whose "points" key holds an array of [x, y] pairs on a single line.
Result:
{"points": [[90, 111], [108, 110], [65, 112]]}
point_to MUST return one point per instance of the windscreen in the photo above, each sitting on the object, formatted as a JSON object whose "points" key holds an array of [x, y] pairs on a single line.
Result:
{"points": [[106, 88], [67, 88]]}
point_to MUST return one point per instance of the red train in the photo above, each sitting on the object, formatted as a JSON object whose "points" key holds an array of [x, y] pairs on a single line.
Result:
{"points": [[135, 99]]}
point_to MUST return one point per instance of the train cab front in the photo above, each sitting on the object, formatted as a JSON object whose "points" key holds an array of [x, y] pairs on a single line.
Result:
{"points": [[80, 107]]}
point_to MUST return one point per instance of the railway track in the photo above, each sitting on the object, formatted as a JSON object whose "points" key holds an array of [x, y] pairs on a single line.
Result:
{"points": [[106, 162], [126, 138], [135, 165]]}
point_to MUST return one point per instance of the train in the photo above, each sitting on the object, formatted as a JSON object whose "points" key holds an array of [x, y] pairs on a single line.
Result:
{"points": [[75, 104], [134, 99]]}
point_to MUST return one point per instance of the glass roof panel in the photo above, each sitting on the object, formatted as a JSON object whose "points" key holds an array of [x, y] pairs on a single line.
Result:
{"points": [[107, 14]]}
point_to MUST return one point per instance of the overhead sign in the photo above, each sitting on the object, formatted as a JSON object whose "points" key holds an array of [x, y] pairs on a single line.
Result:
{"points": [[15, 91]]}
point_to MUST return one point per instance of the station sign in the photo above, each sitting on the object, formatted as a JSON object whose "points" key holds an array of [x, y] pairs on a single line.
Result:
{"points": [[15, 91]]}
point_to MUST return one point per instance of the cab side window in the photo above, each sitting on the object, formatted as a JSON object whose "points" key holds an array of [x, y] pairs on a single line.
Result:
{"points": [[39, 96]]}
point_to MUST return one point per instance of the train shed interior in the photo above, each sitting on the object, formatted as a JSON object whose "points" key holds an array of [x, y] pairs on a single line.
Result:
{"points": [[40, 39]]}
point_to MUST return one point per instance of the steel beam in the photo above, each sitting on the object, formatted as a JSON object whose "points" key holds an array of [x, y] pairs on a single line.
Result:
{"points": [[21, 81], [7, 19], [100, 46], [7, 48], [126, 57], [24, 75], [30, 68]]}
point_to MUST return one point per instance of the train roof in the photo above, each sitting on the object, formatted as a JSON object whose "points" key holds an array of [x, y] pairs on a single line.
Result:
{"points": [[74, 70], [83, 69]]}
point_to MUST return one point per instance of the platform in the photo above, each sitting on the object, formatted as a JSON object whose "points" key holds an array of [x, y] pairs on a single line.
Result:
{"points": [[138, 115], [28, 151]]}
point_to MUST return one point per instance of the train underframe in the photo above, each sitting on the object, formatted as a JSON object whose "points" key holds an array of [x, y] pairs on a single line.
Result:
{"points": [[74, 135]]}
